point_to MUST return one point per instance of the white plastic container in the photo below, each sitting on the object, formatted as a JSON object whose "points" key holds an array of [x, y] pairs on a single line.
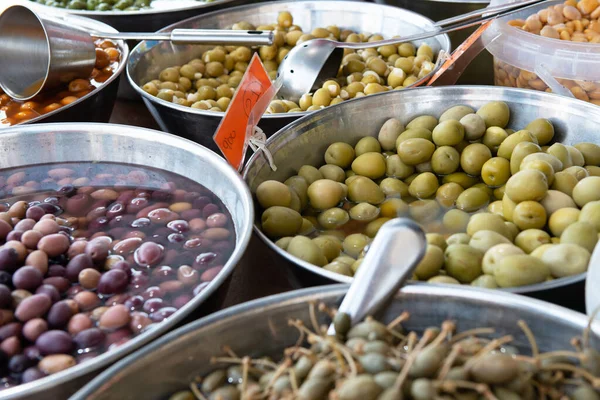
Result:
{"points": [[525, 60]]}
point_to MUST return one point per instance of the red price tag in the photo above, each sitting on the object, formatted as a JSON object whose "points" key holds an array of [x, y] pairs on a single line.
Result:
{"points": [[238, 123]]}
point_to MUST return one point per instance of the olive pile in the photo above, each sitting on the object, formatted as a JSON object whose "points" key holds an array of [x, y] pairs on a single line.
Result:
{"points": [[93, 254], [376, 361], [209, 83], [98, 5], [500, 208]]}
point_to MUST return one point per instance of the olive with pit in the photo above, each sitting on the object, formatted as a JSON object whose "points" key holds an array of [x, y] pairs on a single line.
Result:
{"points": [[281, 221], [527, 185], [520, 270], [371, 164], [307, 250], [463, 262], [582, 234], [415, 151], [448, 133], [566, 259], [272, 193], [495, 113], [325, 193]]}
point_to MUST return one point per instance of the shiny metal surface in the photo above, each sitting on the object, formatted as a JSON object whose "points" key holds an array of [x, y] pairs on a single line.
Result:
{"points": [[149, 58], [301, 71], [171, 363], [199, 36], [96, 106], [390, 261], [46, 143], [592, 283], [41, 52], [305, 141]]}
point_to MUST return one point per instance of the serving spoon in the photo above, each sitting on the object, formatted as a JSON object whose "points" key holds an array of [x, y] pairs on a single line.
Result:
{"points": [[309, 64]]}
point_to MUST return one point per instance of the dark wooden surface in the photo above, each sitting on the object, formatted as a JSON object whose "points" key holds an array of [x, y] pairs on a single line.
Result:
{"points": [[257, 275]]}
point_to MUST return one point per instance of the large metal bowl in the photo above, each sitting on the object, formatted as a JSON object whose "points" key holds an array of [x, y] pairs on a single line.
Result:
{"points": [[260, 328], [96, 106], [149, 58], [305, 142], [50, 143]]}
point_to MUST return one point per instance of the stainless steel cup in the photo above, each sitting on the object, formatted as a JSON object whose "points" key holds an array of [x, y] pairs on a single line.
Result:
{"points": [[56, 54]]}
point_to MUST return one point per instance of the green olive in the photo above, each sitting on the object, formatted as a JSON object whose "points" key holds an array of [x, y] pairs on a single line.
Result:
{"points": [[556, 164], [396, 168], [329, 245], [463, 262], [456, 221], [590, 152], [561, 152], [566, 259], [485, 281], [373, 227], [520, 151], [339, 268], [456, 113], [447, 194], [590, 213], [578, 172], [355, 243], [389, 132], [363, 189], [443, 279], [310, 173], [508, 145], [531, 239], [525, 185], [520, 270], [529, 215], [448, 133], [414, 133], [393, 208], [423, 186], [542, 166], [431, 263], [393, 187], [368, 144], [424, 210], [284, 242], [494, 254], [325, 193], [424, 121], [272, 193], [542, 129], [473, 157], [372, 165], [445, 160], [484, 240], [464, 180], [511, 230], [495, 113], [333, 172], [415, 151], [364, 212], [306, 250], [333, 218], [556, 200], [576, 156], [593, 170], [436, 239], [495, 171], [474, 127], [340, 154], [458, 238], [586, 190], [486, 221], [582, 234], [561, 219], [299, 185], [472, 199], [281, 221], [493, 138]]}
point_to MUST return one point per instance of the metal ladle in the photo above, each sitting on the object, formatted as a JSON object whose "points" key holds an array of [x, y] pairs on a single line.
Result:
{"points": [[391, 259], [42, 51], [309, 64]]}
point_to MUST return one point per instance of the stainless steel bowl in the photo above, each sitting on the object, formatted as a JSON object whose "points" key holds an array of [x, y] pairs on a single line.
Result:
{"points": [[172, 362], [305, 142], [149, 58], [49, 143], [96, 106]]}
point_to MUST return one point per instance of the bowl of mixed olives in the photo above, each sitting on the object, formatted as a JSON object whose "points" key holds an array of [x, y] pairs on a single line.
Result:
{"points": [[105, 248], [430, 342], [504, 183], [188, 88]]}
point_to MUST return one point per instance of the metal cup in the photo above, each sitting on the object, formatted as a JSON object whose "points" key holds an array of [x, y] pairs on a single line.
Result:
{"points": [[56, 54]]}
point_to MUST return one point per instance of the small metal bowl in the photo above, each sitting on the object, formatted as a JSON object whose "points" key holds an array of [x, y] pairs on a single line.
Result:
{"points": [[149, 58], [52, 143], [305, 142], [96, 106], [260, 328]]}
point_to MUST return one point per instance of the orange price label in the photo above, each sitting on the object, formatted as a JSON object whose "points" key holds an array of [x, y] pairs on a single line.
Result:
{"points": [[234, 131]]}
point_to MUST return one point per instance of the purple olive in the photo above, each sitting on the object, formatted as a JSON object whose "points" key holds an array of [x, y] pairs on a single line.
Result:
{"points": [[115, 209], [176, 238], [24, 225], [50, 208], [97, 249], [148, 254], [99, 223], [162, 314], [5, 278], [49, 291], [78, 264], [209, 210], [201, 202], [181, 300], [136, 204], [59, 315], [113, 282], [204, 259], [5, 297], [11, 329], [32, 352], [178, 226], [152, 292], [54, 342], [8, 259], [89, 338], [56, 270], [35, 213], [66, 190], [27, 278], [61, 284], [200, 288], [141, 223], [164, 272], [139, 281], [77, 205], [123, 266], [5, 229], [32, 374], [19, 363], [152, 305], [134, 303]]}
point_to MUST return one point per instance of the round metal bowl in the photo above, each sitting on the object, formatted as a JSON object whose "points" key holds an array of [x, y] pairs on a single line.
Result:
{"points": [[149, 58], [50, 143], [171, 363], [96, 106], [305, 141]]}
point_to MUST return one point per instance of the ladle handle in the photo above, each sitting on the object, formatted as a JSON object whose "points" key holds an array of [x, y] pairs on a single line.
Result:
{"points": [[390, 260], [451, 24], [199, 36]]}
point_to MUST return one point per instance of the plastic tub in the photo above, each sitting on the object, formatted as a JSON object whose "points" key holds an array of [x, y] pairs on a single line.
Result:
{"points": [[529, 61]]}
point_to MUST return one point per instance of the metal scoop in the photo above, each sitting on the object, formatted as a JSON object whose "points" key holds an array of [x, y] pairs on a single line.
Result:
{"points": [[391, 259], [308, 65], [42, 51]]}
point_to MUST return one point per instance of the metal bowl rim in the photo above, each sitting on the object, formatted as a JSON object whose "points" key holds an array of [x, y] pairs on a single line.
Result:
{"points": [[295, 115], [314, 293], [555, 283], [244, 236], [120, 68], [150, 11]]}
